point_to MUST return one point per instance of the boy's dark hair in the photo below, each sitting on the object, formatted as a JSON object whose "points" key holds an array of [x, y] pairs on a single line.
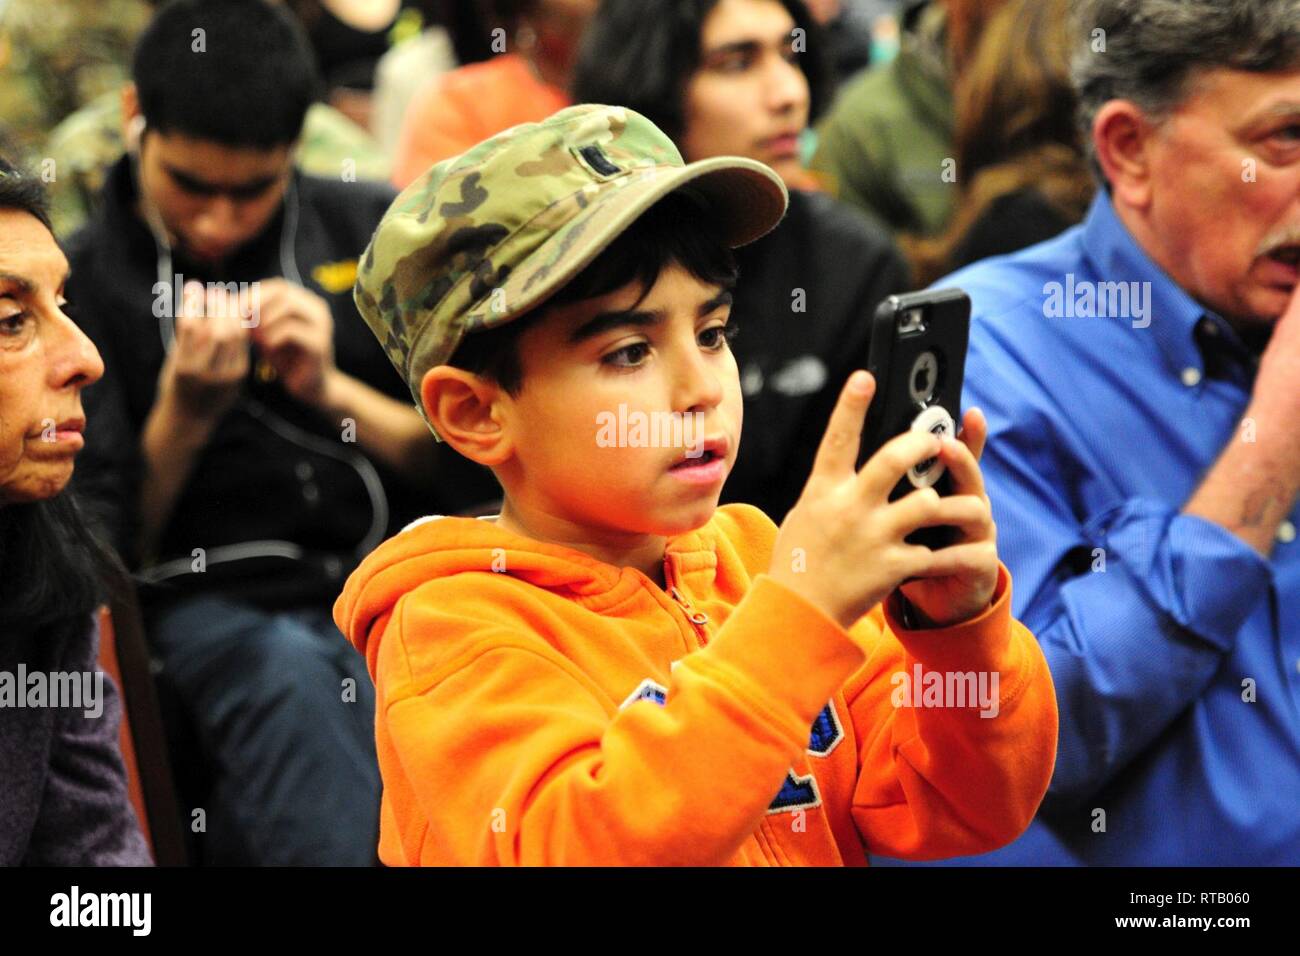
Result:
{"points": [[678, 229], [245, 81], [640, 54]]}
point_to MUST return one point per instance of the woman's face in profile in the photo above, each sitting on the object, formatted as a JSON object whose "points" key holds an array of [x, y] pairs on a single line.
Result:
{"points": [[45, 362]]}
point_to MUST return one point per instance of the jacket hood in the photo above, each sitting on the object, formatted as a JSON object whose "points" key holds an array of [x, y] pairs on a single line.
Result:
{"points": [[437, 547]]}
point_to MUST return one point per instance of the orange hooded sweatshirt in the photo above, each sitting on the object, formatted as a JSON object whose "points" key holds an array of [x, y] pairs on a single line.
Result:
{"points": [[537, 706]]}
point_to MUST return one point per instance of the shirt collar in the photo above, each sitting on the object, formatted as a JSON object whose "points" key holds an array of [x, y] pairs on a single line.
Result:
{"points": [[1182, 329]]}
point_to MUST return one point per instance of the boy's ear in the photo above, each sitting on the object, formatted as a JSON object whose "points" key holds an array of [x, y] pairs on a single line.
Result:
{"points": [[464, 408]]}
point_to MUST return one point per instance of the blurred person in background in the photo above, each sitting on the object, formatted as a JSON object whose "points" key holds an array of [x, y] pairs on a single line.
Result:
{"points": [[536, 42], [887, 144], [424, 47], [64, 800], [348, 38], [1021, 170], [470, 26], [724, 78], [85, 144], [248, 444], [848, 32], [1139, 375], [55, 57]]}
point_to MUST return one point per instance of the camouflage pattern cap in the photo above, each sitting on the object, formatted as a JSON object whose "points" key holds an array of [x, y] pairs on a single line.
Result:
{"points": [[484, 237]]}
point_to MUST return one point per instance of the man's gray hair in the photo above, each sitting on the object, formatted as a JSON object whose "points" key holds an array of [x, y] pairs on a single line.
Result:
{"points": [[1152, 51]]}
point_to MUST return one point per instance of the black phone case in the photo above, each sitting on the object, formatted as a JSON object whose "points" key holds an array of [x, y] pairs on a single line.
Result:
{"points": [[896, 360]]}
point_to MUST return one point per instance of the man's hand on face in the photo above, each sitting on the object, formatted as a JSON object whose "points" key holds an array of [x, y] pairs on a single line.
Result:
{"points": [[204, 369], [1253, 486], [294, 331], [1276, 395]]}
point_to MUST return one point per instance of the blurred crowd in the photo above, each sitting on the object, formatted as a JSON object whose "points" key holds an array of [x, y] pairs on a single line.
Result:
{"points": [[406, 83], [916, 137]]}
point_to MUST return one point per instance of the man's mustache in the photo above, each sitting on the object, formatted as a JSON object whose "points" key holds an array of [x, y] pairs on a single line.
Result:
{"points": [[1286, 236]]}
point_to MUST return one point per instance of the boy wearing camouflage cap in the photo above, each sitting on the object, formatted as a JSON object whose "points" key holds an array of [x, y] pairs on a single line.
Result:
{"points": [[614, 670]]}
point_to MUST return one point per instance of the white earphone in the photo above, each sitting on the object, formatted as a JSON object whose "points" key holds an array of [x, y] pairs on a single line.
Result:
{"points": [[134, 133]]}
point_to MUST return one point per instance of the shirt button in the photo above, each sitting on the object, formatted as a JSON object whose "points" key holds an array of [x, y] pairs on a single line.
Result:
{"points": [[1208, 327], [304, 470], [311, 493], [333, 567], [1286, 532], [1191, 376]]}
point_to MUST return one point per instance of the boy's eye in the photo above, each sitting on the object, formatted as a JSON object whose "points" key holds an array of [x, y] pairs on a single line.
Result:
{"points": [[630, 356], [716, 337]]}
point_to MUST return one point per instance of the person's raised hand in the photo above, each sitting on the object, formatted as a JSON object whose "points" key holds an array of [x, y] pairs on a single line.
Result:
{"points": [[841, 546], [295, 333], [209, 360], [959, 580], [1275, 396]]}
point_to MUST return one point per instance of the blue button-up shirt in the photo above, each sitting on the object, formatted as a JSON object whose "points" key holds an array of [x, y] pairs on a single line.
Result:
{"points": [[1174, 646]]}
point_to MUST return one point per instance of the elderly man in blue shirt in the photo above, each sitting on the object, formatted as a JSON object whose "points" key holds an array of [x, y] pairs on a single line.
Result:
{"points": [[1141, 379]]}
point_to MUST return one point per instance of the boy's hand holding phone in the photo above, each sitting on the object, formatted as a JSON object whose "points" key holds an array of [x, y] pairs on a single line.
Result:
{"points": [[960, 580], [842, 546]]}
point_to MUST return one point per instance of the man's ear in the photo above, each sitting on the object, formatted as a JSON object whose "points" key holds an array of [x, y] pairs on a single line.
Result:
{"points": [[132, 118], [466, 411], [1123, 138]]}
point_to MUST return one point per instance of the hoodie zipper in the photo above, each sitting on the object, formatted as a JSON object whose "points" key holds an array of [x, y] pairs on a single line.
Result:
{"points": [[696, 617]]}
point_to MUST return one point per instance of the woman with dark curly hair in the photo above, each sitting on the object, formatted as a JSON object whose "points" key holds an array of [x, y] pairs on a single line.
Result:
{"points": [[64, 799]]}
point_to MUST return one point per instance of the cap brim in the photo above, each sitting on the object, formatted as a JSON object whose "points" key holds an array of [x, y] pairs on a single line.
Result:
{"points": [[748, 200]]}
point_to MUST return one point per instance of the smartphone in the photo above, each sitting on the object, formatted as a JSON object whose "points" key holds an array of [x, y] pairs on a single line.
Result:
{"points": [[918, 358]]}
